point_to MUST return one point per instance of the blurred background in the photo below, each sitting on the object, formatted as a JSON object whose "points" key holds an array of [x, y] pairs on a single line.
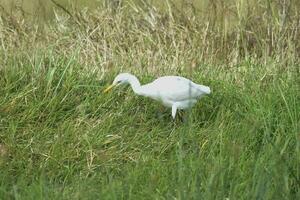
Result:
{"points": [[218, 30]]}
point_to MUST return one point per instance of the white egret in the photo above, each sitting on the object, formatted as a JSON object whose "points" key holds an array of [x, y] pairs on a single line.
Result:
{"points": [[173, 91]]}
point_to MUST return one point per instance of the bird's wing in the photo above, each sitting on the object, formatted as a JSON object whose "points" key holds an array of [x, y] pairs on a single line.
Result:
{"points": [[173, 88]]}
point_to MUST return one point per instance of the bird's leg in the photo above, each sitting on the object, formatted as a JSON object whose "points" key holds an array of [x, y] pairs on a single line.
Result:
{"points": [[174, 109], [181, 115]]}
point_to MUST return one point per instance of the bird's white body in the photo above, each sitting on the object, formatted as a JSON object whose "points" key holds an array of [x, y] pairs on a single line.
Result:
{"points": [[173, 91]]}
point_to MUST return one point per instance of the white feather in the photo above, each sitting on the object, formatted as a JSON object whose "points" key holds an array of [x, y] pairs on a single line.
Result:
{"points": [[173, 91]]}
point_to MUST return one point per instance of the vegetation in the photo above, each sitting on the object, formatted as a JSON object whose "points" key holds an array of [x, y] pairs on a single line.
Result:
{"points": [[61, 138]]}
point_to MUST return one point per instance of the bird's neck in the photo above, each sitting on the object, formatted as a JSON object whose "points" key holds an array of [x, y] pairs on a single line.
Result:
{"points": [[135, 85]]}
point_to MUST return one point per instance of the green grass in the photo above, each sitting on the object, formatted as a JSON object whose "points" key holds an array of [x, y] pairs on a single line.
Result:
{"points": [[62, 138], [65, 139]]}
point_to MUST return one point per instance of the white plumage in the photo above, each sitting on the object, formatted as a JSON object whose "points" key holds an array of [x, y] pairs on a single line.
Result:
{"points": [[173, 91]]}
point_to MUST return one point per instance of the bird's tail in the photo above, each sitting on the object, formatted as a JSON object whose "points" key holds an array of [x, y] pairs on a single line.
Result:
{"points": [[205, 89]]}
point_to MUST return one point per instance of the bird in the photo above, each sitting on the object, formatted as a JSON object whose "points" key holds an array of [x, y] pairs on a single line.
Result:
{"points": [[176, 92]]}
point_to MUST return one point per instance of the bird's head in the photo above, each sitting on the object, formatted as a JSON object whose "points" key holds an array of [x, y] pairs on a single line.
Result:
{"points": [[122, 78]]}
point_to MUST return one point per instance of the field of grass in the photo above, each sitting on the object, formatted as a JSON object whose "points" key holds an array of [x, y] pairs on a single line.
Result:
{"points": [[62, 138]]}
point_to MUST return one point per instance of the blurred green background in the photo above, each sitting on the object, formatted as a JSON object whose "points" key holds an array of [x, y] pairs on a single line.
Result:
{"points": [[43, 8]]}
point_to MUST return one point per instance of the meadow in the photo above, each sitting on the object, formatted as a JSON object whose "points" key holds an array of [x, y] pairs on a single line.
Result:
{"points": [[62, 138]]}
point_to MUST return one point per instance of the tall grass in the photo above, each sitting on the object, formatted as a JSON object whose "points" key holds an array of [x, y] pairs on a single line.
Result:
{"points": [[61, 138]]}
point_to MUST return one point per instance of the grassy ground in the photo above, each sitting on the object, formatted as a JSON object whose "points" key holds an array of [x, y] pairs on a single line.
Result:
{"points": [[62, 138]]}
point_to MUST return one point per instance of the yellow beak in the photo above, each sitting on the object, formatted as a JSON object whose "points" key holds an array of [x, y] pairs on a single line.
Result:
{"points": [[109, 88]]}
